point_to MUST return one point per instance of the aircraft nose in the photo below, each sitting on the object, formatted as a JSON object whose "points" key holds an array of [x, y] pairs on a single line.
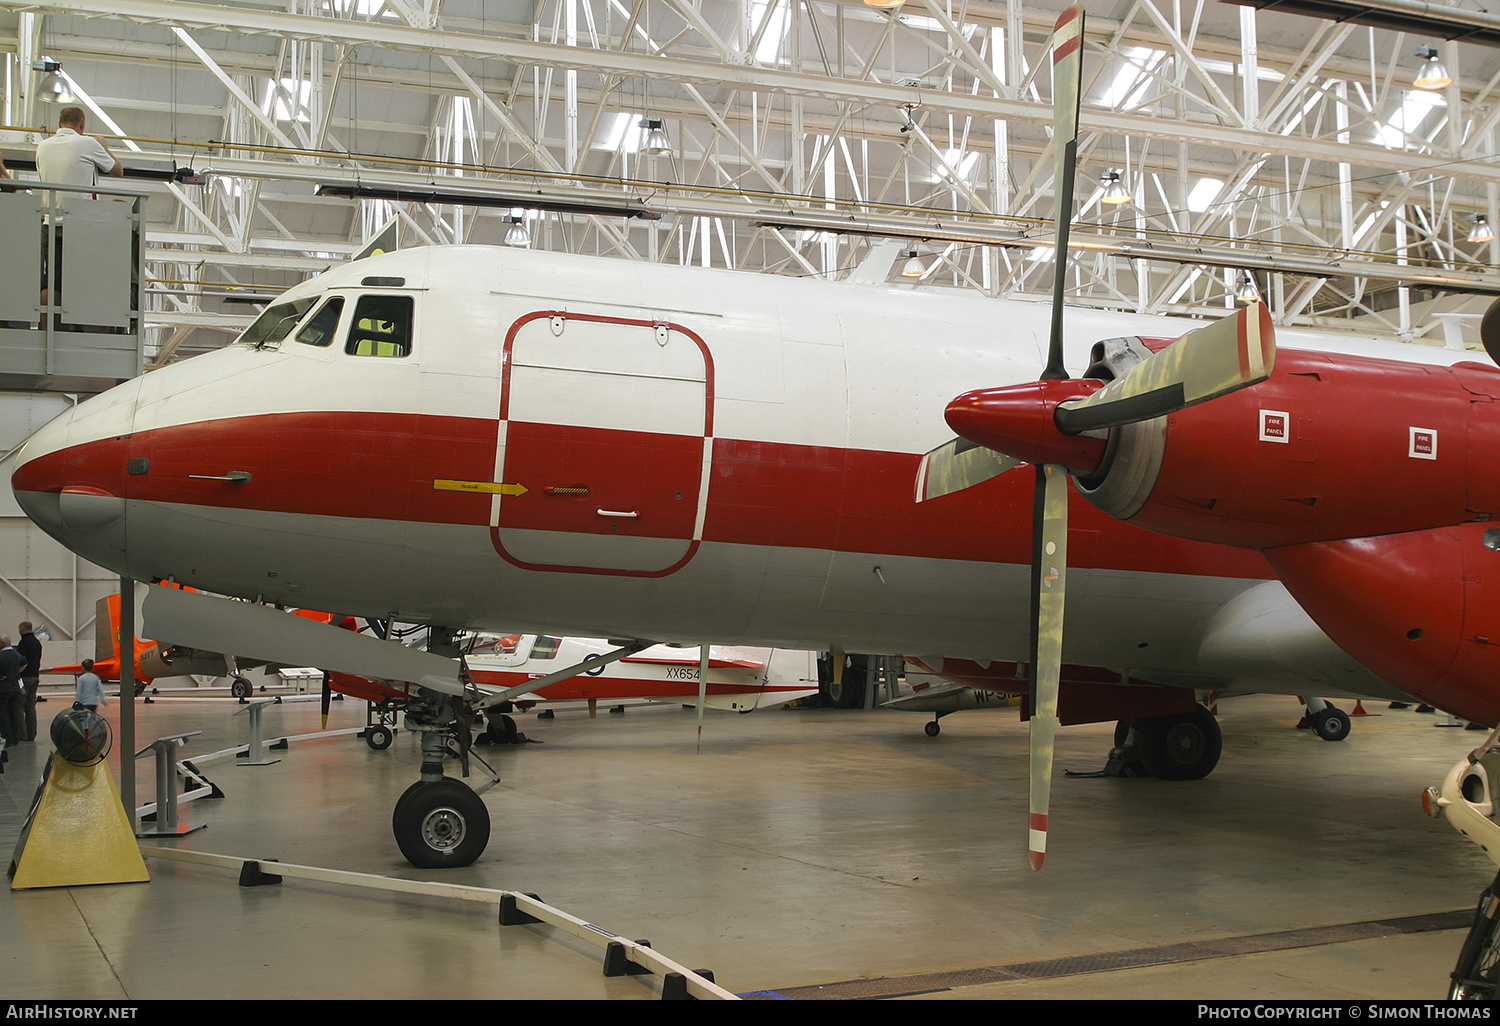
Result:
{"points": [[69, 478]]}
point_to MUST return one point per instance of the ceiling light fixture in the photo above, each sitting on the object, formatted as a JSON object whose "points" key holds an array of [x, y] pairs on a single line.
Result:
{"points": [[53, 87], [1245, 290], [656, 143], [913, 268], [1433, 75], [884, 5], [1481, 232], [1114, 189], [518, 236]]}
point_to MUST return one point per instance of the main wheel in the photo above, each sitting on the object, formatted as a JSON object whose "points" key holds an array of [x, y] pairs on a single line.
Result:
{"points": [[1331, 724], [932, 729], [379, 737], [1478, 968], [441, 825], [849, 691], [241, 688], [1185, 746], [502, 730]]}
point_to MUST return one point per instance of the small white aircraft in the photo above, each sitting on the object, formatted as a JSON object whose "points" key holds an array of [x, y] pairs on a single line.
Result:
{"points": [[740, 679], [494, 439]]}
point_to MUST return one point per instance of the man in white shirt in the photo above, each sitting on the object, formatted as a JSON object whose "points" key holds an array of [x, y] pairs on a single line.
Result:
{"points": [[68, 157], [71, 158]]}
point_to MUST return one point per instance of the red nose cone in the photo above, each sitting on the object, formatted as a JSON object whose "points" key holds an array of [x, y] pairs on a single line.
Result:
{"points": [[1017, 421]]}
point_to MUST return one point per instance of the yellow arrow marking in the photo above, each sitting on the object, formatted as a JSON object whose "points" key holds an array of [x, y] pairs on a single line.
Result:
{"points": [[484, 487]]}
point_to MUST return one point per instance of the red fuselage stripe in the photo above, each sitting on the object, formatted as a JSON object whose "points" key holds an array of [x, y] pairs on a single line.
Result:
{"points": [[382, 466]]}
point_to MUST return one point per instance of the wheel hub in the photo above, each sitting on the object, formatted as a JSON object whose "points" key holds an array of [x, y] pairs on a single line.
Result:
{"points": [[443, 829], [1185, 743]]}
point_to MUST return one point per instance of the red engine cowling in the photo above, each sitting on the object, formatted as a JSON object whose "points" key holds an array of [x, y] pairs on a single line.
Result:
{"points": [[1330, 447]]}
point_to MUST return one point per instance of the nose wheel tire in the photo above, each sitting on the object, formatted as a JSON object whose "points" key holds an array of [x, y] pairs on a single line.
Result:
{"points": [[379, 737], [441, 825], [241, 688], [1331, 724]]}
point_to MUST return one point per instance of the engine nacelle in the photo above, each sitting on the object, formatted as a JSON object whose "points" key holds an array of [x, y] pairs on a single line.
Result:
{"points": [[1329, 447], [1421, 610]]}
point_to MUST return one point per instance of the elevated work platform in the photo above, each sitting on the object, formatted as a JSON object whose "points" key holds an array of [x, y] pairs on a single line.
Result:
{"points": [[70, 301]]}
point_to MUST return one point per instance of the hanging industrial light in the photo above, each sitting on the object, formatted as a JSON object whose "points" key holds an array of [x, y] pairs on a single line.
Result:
{"points": [[518, 236], [913, 268], [1433, 75], [884, 5], [1481, 232], [1245, 290], [656, 143], [53, 87], [1114, 188]]}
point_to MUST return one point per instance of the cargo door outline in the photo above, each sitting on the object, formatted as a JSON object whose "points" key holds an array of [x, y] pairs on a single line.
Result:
{"points": [[607, 423]]}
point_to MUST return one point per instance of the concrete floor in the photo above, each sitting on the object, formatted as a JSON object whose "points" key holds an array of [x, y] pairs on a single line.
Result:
{"points": [[804, 853]]}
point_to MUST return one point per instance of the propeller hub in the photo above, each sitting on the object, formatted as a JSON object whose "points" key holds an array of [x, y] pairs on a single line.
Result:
{"points": [[1018, 421]]}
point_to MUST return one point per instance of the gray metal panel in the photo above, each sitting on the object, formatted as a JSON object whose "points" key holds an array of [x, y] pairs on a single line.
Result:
{"points": [[76, 354], [20, 257], [97, 262]]}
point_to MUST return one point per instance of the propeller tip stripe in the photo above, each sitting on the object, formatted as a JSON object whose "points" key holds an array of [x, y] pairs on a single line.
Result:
{"points": [[1067, 34]]}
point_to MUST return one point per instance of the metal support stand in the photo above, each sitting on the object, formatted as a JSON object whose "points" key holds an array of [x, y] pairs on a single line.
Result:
{"points": [[167, 824], [254, 754]]}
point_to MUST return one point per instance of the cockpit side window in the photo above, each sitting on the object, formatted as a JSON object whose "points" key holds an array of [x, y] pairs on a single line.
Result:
{"points": [[545, 647], [274, 324], [382, 327], [320, 327]]}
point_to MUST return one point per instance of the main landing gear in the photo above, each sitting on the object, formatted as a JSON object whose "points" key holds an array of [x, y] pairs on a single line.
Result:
{"points": [[440, 822], [1178, 746]]}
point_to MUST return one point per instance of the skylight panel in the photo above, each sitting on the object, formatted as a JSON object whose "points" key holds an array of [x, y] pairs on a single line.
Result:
{"points": [[1130, 82], [1203, 194], [1408, 118]]}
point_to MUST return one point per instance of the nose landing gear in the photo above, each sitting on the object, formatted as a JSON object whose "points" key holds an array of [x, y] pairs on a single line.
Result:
{"points": [[440, 822]]}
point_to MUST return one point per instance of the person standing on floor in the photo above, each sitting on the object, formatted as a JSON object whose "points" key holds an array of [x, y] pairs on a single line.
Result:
{"points": [[31, 650], [90, 693], [11, 665]]}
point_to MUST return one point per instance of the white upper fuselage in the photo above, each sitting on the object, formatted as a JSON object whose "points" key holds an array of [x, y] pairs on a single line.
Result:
{"points": [[704, 455]]}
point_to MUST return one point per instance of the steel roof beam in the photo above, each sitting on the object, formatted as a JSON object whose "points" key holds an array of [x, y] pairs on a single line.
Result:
{"points": [[866, 93]]}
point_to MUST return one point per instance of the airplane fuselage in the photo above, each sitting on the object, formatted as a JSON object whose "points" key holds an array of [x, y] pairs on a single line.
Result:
{"points": [[492, 439]]}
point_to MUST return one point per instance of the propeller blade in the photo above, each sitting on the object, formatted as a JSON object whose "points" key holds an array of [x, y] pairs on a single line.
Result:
{"points": [[1067, 76], [1227, 355], [1049, 570], [958, 464], [327, 698]]}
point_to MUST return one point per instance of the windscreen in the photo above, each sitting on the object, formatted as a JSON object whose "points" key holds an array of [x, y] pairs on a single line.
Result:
{"points": [[274, 324]]}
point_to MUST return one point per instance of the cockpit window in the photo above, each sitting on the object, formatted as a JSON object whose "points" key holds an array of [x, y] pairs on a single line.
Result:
{"points": [[382, 327], [545, 647], [275, 322], [319, 329]]}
